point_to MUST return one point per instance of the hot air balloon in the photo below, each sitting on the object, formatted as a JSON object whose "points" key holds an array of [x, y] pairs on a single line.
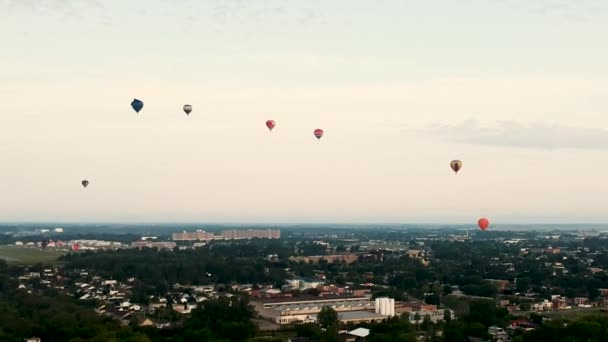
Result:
{"points": [[270, 124], [456, 165], [85, 183], [483, 223], [318, 133], [187, 109], [137, 105]]}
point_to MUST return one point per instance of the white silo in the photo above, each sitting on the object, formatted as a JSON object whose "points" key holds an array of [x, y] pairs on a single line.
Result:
{"points": [[385, 306]]}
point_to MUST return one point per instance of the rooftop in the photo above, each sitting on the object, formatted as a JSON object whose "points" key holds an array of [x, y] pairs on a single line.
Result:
{"points": [[362, 304], [359, 332], [309, 299], [355, 315]]}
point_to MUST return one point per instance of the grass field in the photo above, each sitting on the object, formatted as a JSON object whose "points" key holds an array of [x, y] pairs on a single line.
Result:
{"points": [[572, 314], [29, 255]]}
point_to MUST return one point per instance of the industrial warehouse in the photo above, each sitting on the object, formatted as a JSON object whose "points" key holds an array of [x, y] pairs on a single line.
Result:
{"points": [[349, 309]]}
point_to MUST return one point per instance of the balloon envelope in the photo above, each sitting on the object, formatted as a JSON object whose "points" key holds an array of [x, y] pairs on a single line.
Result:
{"points": [[137, 105], [456, 165], [270, 124], [483, 223], [85, 183], [187, 109], [318, 133]]}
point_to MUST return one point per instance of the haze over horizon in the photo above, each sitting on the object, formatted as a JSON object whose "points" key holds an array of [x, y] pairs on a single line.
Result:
{"points": [[517, 90]]}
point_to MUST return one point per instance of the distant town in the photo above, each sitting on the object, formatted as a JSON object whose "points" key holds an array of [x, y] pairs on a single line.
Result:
{"points": [[151, 240], [426, 279]]}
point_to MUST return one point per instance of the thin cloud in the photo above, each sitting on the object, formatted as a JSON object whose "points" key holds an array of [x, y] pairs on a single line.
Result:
{"points": [[227, 11], [65, 7], [513, 134], [575, 10]]}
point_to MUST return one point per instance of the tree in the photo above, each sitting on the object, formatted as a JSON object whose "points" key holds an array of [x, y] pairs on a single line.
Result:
{"points": [[486, 313], [455, 331], [308, 330], [427, 323], [330, 335], [311, 292], [417, 317], [432, 298], [594, 293], [447, 289], [522, 284], [536, 318], [224, 317], [327, 317], [447, 315]]}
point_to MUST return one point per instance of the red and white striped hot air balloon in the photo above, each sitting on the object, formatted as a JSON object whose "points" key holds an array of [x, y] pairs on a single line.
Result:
{"points": [[318, 133]]}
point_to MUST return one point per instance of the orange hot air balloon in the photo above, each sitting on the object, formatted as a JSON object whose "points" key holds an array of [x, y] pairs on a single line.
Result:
{"points": [[456, 165], [270, 124], [483, 223]]}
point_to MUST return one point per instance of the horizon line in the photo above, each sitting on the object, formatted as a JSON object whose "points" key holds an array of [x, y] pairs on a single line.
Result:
{"points": [[312, 223]]}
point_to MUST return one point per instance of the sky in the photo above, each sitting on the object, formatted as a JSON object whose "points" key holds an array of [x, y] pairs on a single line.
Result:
{"points": [[516, 89]]}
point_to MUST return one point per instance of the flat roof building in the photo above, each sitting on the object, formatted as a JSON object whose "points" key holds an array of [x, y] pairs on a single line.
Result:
{"points": [[360, 317], [305, 310]]}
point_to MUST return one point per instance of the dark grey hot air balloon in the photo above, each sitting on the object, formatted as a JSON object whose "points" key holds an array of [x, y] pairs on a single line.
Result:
{"points": [[187, 109], [85, 183]]}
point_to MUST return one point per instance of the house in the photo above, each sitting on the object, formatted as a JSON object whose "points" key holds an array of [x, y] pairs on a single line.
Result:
{"points": [[146, 323], [414, 253], [498, 334], [33, 339], [435, 315], [357, 335]]}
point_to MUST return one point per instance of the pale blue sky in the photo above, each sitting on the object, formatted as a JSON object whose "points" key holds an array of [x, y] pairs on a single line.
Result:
{"points": [[517, 89]]}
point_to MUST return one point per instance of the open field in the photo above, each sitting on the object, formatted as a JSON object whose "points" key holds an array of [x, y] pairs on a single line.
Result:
{"points": [[572, 314], [29, 255]]}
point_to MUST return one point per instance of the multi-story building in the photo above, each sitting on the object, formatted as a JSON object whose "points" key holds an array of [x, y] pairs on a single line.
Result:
{"points": [[233, 234], [239, 234], [157, 245], [348, 258], [199, 235]]}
